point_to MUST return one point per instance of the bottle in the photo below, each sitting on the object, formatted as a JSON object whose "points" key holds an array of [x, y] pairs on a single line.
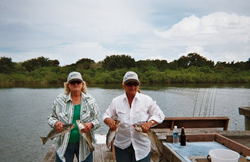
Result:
{"points": [[183, 137], [175, 135]]}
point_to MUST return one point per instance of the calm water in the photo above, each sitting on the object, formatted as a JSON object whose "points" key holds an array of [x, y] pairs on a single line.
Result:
{"points": [[24, 111]]}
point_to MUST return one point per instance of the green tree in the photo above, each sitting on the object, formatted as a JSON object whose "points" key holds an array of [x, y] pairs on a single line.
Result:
{"points": [[118, 62], [145, 65], [36, 63], [194, 59], [6, 65], [54, 63], [161, 65], [248, 64], [85, 63]]}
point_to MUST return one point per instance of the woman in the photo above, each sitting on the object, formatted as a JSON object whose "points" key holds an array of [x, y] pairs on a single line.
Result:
{"points": [[132, 108], [75, 104]]}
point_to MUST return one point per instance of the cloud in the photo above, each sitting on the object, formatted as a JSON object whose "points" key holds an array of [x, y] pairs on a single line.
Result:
{"points": [[74, 52], [217, 33], [211, 26], [141, 29]]}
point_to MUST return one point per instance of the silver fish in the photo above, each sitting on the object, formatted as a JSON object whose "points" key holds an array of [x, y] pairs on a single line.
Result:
{"points": [[86, 136], [156, 146], [111, 134], [53, 133]]}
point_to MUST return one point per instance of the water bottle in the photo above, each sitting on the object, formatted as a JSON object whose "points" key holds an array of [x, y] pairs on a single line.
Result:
{"points": [[175, 135], [183, 137]]}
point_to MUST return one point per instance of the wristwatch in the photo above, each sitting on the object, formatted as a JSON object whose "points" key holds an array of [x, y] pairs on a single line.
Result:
{"points": [[152, 122]]}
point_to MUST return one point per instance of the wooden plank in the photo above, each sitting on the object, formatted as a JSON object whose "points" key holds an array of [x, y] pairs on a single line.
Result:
{"points": [[244, 111], [50, 156], [195, 137], [170, 155], [241, 149], [101, 154], [204, 159], [194, 122]]}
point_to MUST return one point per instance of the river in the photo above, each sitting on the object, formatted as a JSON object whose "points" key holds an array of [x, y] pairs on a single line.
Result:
{"points": [[24, 111]]}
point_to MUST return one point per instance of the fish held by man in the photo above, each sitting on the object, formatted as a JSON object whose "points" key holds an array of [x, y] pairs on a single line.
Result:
{"points": [[111, 134], [86, 136], [53, 133], [156, 146]]}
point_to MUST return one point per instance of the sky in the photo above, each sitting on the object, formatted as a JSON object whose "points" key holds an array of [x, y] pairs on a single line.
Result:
{"points": [[68, 31]]}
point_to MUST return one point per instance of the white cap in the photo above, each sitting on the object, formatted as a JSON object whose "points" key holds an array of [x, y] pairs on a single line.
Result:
{"points": [[175, 127], [130, 76], [74, 76]]}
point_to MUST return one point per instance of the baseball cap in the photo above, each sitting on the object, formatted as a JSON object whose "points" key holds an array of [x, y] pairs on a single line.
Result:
{"points": [[130, 76], [74, 76]]}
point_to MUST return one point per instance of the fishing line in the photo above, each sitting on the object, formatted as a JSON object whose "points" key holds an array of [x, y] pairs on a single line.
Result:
{"points": [[196, 102]]}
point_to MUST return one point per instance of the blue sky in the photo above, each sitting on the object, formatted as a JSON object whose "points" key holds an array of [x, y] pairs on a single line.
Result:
{"points": [[144, 29]]}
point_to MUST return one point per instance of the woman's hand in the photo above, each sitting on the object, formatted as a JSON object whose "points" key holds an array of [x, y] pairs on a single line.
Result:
{"points": [[146, 126], [87, 127], [59, 126], [110, 123]]}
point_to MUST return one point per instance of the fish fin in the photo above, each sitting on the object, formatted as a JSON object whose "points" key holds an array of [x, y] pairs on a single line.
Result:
{"points": [[44, 139]]}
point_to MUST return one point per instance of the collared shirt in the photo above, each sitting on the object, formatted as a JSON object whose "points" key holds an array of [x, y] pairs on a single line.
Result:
{"points": [[143, 109], [62, 110]]}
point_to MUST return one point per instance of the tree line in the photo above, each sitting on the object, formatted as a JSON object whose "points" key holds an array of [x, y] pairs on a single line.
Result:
{"points": [[192, 68]]}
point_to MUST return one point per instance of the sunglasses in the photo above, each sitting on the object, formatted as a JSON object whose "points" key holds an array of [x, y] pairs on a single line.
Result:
{"points": [[75, 82], [130, 84]]}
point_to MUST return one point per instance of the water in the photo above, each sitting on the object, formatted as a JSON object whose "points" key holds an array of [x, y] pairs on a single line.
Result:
{"points": [[24, 112]]}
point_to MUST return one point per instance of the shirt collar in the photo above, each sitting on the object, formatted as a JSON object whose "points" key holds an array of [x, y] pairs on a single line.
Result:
{"points": [[137, 96], [83, 95]]}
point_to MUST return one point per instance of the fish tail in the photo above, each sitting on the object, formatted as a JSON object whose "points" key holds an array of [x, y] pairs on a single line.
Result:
{"points": [[44, 139], [91, 147], [108, 146]]}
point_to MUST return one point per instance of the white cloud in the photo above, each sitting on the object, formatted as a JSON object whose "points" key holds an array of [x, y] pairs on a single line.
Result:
{"points": [[222, 34], [213, 26], [70, 53]]}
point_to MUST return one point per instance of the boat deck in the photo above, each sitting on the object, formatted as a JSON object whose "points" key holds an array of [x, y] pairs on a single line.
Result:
{"points": [[101, 154], [193, 126]]}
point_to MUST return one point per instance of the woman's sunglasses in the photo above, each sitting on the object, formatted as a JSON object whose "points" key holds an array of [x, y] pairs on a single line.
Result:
{"points": [[75, 82], [130, 84]]}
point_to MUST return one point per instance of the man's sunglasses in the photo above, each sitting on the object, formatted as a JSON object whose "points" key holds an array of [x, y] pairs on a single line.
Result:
{"points": [[75, 82], [130, 84]]}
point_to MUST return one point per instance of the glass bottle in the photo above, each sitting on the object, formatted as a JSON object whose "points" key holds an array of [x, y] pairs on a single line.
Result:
{"points": [[183, 137]]}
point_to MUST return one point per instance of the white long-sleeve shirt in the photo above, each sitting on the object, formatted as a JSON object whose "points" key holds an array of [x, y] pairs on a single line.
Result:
{"points": [[143, 109]]}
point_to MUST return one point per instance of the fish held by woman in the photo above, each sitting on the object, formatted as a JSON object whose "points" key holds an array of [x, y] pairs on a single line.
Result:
{"points": [[156, 146], [53, 133], [86, 136], [111, 134]]}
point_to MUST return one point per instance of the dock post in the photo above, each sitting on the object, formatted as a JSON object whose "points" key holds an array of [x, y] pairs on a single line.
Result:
{"points": [[245, 111]]}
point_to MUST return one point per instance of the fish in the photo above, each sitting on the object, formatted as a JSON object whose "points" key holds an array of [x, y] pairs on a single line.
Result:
{"points": [[111, 135], [156, 145], [86, 136], [53, 133]]}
